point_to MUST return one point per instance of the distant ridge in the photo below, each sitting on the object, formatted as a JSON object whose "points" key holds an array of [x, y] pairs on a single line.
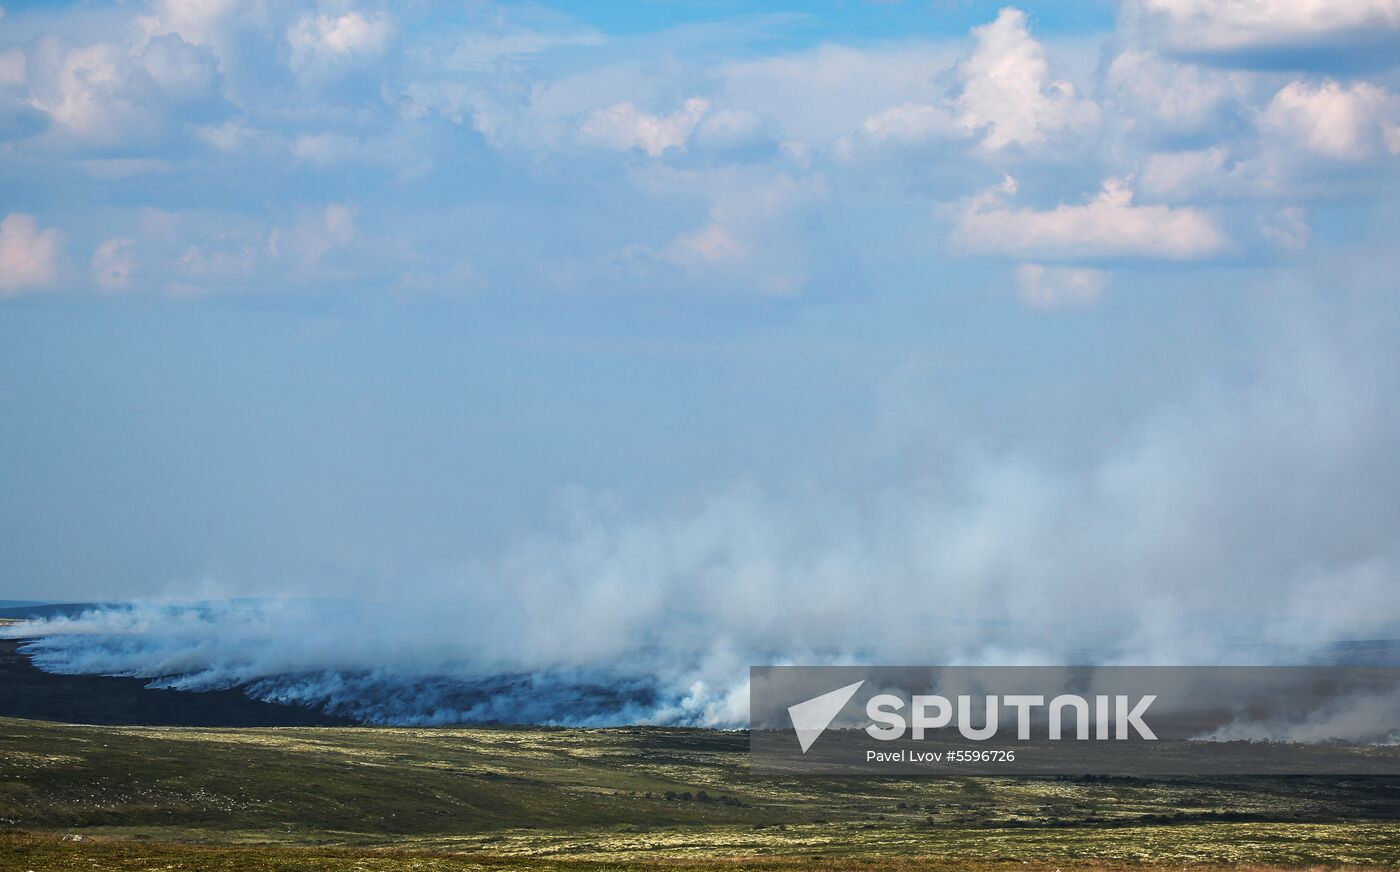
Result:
{"points": [[19, 610], [28, 692]]}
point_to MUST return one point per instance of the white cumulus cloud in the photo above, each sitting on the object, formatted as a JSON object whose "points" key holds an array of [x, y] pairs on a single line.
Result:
{"points": [[1151, 94], [1108, 226], [623, 126], [1007, 92], [1235, 25], [907, 124], [109, 95], [202, 22], [28, 255], [1345, 122], [324, 39]]}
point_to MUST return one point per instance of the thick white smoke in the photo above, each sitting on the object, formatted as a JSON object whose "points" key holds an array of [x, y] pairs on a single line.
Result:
{"points": [[1254, 520]]}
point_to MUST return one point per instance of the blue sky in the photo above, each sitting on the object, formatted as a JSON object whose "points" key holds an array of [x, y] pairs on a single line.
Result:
{"points": [[647, 309]]}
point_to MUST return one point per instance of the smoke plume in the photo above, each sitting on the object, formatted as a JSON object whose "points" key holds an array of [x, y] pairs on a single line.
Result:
{"points": [[1251, 521]]}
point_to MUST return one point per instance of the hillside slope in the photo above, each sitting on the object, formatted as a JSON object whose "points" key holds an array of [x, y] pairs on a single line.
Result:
{"points": [[642, 794]]}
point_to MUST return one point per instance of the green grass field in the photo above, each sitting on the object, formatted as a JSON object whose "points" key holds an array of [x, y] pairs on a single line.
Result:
{"points": [[377, 798]]}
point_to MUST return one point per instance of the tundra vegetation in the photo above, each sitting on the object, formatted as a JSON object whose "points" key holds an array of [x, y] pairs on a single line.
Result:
{"points": [[123, 797]]}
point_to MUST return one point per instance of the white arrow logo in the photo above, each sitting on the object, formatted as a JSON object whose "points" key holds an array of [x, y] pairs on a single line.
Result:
{"points": [[811, 718]]}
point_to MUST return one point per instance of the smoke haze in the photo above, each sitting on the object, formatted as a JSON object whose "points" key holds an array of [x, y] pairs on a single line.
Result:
{"points": [[1253, 522]]}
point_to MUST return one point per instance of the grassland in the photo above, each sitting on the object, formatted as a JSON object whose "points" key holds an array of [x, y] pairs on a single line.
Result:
{"points": [[321, 797]]}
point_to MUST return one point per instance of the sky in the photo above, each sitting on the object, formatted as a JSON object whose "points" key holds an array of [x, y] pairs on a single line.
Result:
{"points": [[792, 325]]}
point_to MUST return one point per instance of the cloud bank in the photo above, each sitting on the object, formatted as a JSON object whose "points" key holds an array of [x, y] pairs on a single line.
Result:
{"points": [[319, 106]]}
